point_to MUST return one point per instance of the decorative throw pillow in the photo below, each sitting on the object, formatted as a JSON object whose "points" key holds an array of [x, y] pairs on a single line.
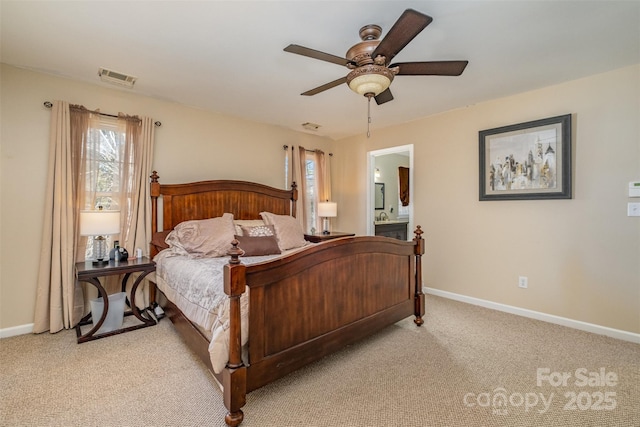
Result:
{"points": [[287, 228], [203, 238], [239, 223], [159, 239], [258, 230], [257, 246]]}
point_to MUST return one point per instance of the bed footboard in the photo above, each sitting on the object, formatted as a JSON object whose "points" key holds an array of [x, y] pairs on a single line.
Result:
{"points": [[313, 303]]}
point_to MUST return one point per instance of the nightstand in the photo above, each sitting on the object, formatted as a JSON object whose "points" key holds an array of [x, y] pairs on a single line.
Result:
{"points": [[87, 272], [319, 237]]}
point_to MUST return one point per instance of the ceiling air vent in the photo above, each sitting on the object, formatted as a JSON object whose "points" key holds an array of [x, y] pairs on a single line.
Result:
{"points": [[310, 126], [116, 78]]}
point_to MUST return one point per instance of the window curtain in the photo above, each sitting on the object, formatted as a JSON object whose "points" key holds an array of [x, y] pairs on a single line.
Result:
{"points": [[59, 298], [299, 161], [59, 301], [135, 205], [323, 182]]}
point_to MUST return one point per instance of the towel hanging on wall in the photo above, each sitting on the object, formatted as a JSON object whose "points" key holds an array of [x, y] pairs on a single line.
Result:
{"points": [[403, 174]]}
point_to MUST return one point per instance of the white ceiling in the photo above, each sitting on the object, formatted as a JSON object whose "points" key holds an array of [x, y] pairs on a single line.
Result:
{"points": [[227, 56]]}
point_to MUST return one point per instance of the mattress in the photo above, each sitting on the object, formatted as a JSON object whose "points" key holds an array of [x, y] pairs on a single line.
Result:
{"points": [[196, 287]]}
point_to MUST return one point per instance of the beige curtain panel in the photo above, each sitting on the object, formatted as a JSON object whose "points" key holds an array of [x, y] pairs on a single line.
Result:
{"points": [[136, 205], [299, 160], [56, 291]]}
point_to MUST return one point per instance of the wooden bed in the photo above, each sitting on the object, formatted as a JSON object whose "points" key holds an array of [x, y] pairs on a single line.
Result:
{"points": [[302, 307]]}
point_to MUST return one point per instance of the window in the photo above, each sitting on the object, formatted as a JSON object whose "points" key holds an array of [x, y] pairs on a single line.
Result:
{"points": [[105, 147]]}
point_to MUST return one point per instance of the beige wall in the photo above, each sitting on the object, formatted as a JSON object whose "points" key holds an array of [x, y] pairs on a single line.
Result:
{"points": [[190, 145], [582, 256]]}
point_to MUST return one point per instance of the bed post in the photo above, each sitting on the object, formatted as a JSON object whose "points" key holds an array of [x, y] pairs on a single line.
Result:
{"points": [[154, 188], [155, 193], [234, 376], [294, 198], [419, 296]]}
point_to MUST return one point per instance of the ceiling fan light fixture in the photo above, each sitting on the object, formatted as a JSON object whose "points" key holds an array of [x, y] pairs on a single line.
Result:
{"points": [[370, 79]]}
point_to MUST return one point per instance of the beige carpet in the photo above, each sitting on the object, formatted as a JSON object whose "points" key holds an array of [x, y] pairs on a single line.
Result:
{"points": [[450, 372]]}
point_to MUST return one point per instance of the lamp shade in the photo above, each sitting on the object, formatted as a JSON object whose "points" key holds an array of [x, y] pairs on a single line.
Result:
{"points": [[327, 209], [99, 223]]}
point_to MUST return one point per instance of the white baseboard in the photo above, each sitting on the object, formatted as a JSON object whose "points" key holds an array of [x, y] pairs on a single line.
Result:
{"points": [[16, 330], [576, 324]]}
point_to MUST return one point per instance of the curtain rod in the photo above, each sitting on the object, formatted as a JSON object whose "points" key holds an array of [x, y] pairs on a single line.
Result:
{"points": [[48, 104], [286, 147]]}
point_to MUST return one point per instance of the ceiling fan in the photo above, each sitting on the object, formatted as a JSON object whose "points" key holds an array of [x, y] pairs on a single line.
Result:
{"points": [[370, 60]]}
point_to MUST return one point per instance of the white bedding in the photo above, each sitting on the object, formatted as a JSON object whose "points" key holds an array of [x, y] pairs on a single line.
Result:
{"points": [[196, 287]]}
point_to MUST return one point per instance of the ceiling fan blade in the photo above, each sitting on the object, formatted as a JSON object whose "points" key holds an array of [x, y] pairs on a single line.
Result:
{"points": [[384, 96], [430, 68], [325, 86], [316, 54], [401, 33]]}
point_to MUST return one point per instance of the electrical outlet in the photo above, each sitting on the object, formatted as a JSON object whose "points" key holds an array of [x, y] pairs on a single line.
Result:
{"points": [[523, 282]]}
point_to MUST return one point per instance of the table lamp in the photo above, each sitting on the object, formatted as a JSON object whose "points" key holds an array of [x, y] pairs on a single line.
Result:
{"points": [[99, 223], [327, 210]]}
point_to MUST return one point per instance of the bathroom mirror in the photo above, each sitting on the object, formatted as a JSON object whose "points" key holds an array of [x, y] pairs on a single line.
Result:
{"points": [[379, 198]]}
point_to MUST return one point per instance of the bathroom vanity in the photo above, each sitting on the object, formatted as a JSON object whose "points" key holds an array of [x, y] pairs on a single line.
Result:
{"points": [[392, 228]]}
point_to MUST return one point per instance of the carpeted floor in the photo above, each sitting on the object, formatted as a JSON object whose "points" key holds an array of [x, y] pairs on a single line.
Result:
{"points": [[453, 371]]}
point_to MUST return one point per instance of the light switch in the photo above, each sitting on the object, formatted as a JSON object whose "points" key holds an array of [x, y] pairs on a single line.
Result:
{"points": [[633, 209]]}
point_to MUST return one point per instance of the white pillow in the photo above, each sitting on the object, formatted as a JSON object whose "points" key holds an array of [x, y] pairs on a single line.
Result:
{"points": [[288, 230], [203, 238]]}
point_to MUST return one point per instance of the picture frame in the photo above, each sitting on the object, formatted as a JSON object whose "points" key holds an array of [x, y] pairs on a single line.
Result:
{"points": [[526, 161], [379, 196]]}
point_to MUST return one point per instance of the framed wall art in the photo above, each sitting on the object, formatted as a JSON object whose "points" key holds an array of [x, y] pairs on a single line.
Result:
{"points": [[526, 161], [379, 198]]}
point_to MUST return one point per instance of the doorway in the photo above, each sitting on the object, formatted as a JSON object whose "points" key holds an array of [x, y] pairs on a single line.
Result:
{"points": [[379, 172]]}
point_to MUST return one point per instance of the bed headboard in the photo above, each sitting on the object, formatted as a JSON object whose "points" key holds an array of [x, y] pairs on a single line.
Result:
{"points": [[209, 199]]}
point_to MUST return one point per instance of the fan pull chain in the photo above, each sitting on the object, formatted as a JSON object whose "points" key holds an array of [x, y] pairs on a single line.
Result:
{"points": [[368, 115]]}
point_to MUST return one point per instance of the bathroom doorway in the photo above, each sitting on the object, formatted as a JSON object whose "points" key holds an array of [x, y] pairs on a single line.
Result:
{"points": [[382, 168]]}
